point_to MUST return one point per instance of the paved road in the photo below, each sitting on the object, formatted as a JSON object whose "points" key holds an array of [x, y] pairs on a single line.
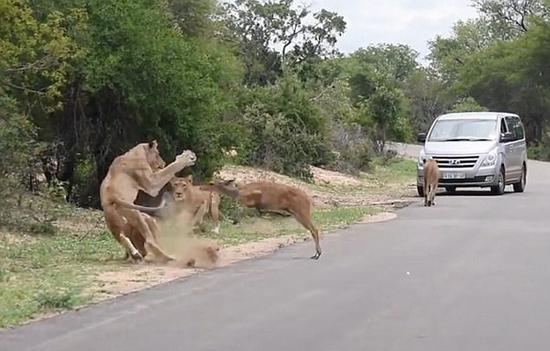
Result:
{"points": [[407, 150], [471, 274]]}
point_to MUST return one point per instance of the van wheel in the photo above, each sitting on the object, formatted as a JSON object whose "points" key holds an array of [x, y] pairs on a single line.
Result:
{"points": [[420, 190], [450, 189], [499, 188], [519, 187]]}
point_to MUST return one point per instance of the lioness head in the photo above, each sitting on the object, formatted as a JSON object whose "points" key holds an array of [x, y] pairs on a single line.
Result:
{"points": [[180, 187], [153, 156]]}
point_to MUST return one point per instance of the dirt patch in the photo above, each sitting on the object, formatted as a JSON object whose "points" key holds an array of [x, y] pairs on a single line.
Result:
{"points": [[379, 217], [135, 277], [323, 176], [350, 194]]}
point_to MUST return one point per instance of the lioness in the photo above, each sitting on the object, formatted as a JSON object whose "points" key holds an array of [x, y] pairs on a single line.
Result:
{"points": [[196, 201], [141, 168], [431, 181]]}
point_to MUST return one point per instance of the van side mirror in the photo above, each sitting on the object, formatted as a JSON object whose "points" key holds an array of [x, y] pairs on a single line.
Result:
{"points": [[421, 137], [506, 137]]}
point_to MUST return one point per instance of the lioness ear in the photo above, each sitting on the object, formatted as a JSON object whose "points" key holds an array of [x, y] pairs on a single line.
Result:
{"points": [[190, 178], [153, 144], [229, 182]]}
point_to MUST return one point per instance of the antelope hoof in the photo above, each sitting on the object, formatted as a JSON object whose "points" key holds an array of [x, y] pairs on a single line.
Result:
{"points": [[137, 256], [316, 256]]}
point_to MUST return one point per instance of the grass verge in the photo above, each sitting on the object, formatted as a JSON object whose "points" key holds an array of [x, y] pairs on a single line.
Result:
{"points": [[48, 266]]}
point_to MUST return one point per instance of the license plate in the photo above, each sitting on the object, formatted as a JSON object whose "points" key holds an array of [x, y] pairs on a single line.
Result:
{"points": [[454, 175]]}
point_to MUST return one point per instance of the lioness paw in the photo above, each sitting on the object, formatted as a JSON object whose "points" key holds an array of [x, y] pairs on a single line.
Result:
{"points": [[188, 157]]}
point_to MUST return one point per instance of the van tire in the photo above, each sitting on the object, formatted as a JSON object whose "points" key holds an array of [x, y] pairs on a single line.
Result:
{"points": [[499, 188], [519, 187]]}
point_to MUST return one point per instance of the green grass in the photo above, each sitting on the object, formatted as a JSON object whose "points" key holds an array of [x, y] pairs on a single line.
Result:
{"points": [[271, 225], [54, 251], [49, 273], [41, 274]]}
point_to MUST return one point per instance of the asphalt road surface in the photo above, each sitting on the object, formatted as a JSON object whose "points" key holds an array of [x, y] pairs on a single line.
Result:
{"points": [[472, 273]]}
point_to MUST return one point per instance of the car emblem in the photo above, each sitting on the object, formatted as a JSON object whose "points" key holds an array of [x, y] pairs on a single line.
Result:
{"points": [[455, 162]]}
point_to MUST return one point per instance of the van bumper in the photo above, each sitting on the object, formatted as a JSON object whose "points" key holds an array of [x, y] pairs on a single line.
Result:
{"points": [[471, 178]]}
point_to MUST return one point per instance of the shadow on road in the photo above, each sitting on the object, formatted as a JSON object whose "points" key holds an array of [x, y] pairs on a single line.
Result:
{"points": [[480, 192]]}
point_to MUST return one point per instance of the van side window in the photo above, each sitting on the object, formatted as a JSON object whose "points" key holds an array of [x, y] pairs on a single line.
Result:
{"points": [[520, 129], [503, 128], [514, 125]]}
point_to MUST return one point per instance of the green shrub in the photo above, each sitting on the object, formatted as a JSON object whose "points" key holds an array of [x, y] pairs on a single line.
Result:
{"points": [[57, 300]]}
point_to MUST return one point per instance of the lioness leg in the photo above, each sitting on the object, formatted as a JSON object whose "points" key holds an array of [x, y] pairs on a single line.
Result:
{"points": [[118, 227], [139, 223], [198, 217], [215, 212], [152, 183], [127, 243]]}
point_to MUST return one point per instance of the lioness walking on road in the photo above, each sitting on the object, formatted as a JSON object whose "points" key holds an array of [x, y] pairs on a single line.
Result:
{"points": [[431, 181]]}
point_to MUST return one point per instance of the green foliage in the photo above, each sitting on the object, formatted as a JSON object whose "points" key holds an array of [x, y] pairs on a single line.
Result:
{"points": [[258, 27], [286, 131], [56, 300], [427, 98], [84, 81], [17, 144], [468, 104]]}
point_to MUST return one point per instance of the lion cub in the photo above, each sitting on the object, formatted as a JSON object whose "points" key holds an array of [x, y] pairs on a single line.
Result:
{"points": [[196, 201], [431, 181]]}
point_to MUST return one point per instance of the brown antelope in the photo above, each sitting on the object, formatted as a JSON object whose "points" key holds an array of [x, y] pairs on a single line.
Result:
{"points": [[431, 180], [272, 197]]}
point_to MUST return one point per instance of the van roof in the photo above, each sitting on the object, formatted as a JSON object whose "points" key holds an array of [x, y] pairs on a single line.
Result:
{"points": [[475, 115]]}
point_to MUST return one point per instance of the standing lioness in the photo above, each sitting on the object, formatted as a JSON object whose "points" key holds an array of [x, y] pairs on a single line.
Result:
{"points": [[195, 201], [141, 168], [431, 181]]}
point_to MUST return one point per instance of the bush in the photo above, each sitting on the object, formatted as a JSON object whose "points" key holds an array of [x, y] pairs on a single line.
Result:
{"points": [[17, 144], [352, 150], [286, 132], [57, 300]]}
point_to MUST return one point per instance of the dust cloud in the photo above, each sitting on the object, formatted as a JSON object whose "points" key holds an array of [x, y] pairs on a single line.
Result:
{"points": [[178, 240]]}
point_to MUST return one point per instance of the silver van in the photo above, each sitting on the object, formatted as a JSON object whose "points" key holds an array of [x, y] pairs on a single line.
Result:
{"points": [[476, 149]]}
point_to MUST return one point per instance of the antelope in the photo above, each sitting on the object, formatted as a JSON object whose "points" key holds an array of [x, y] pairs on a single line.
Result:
{"points": [[431, 180], [272, 197]]}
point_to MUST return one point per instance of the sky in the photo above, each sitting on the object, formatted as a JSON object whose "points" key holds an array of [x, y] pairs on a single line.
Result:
{"points": [[411, 22]]}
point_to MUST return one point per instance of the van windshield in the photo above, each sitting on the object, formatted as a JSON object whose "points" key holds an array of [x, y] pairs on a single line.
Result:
{"points": [[464, 130]]}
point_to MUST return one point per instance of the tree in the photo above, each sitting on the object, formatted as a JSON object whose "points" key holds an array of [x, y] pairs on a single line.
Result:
{"points": [[273, 34], [468, 104], [384, 112], [397, 62], [449, 55], [511, 17], [35, 65], [427, 98]]}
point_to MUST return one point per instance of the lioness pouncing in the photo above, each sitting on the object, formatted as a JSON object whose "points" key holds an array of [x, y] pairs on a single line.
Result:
{"points": [[141, 168]]}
